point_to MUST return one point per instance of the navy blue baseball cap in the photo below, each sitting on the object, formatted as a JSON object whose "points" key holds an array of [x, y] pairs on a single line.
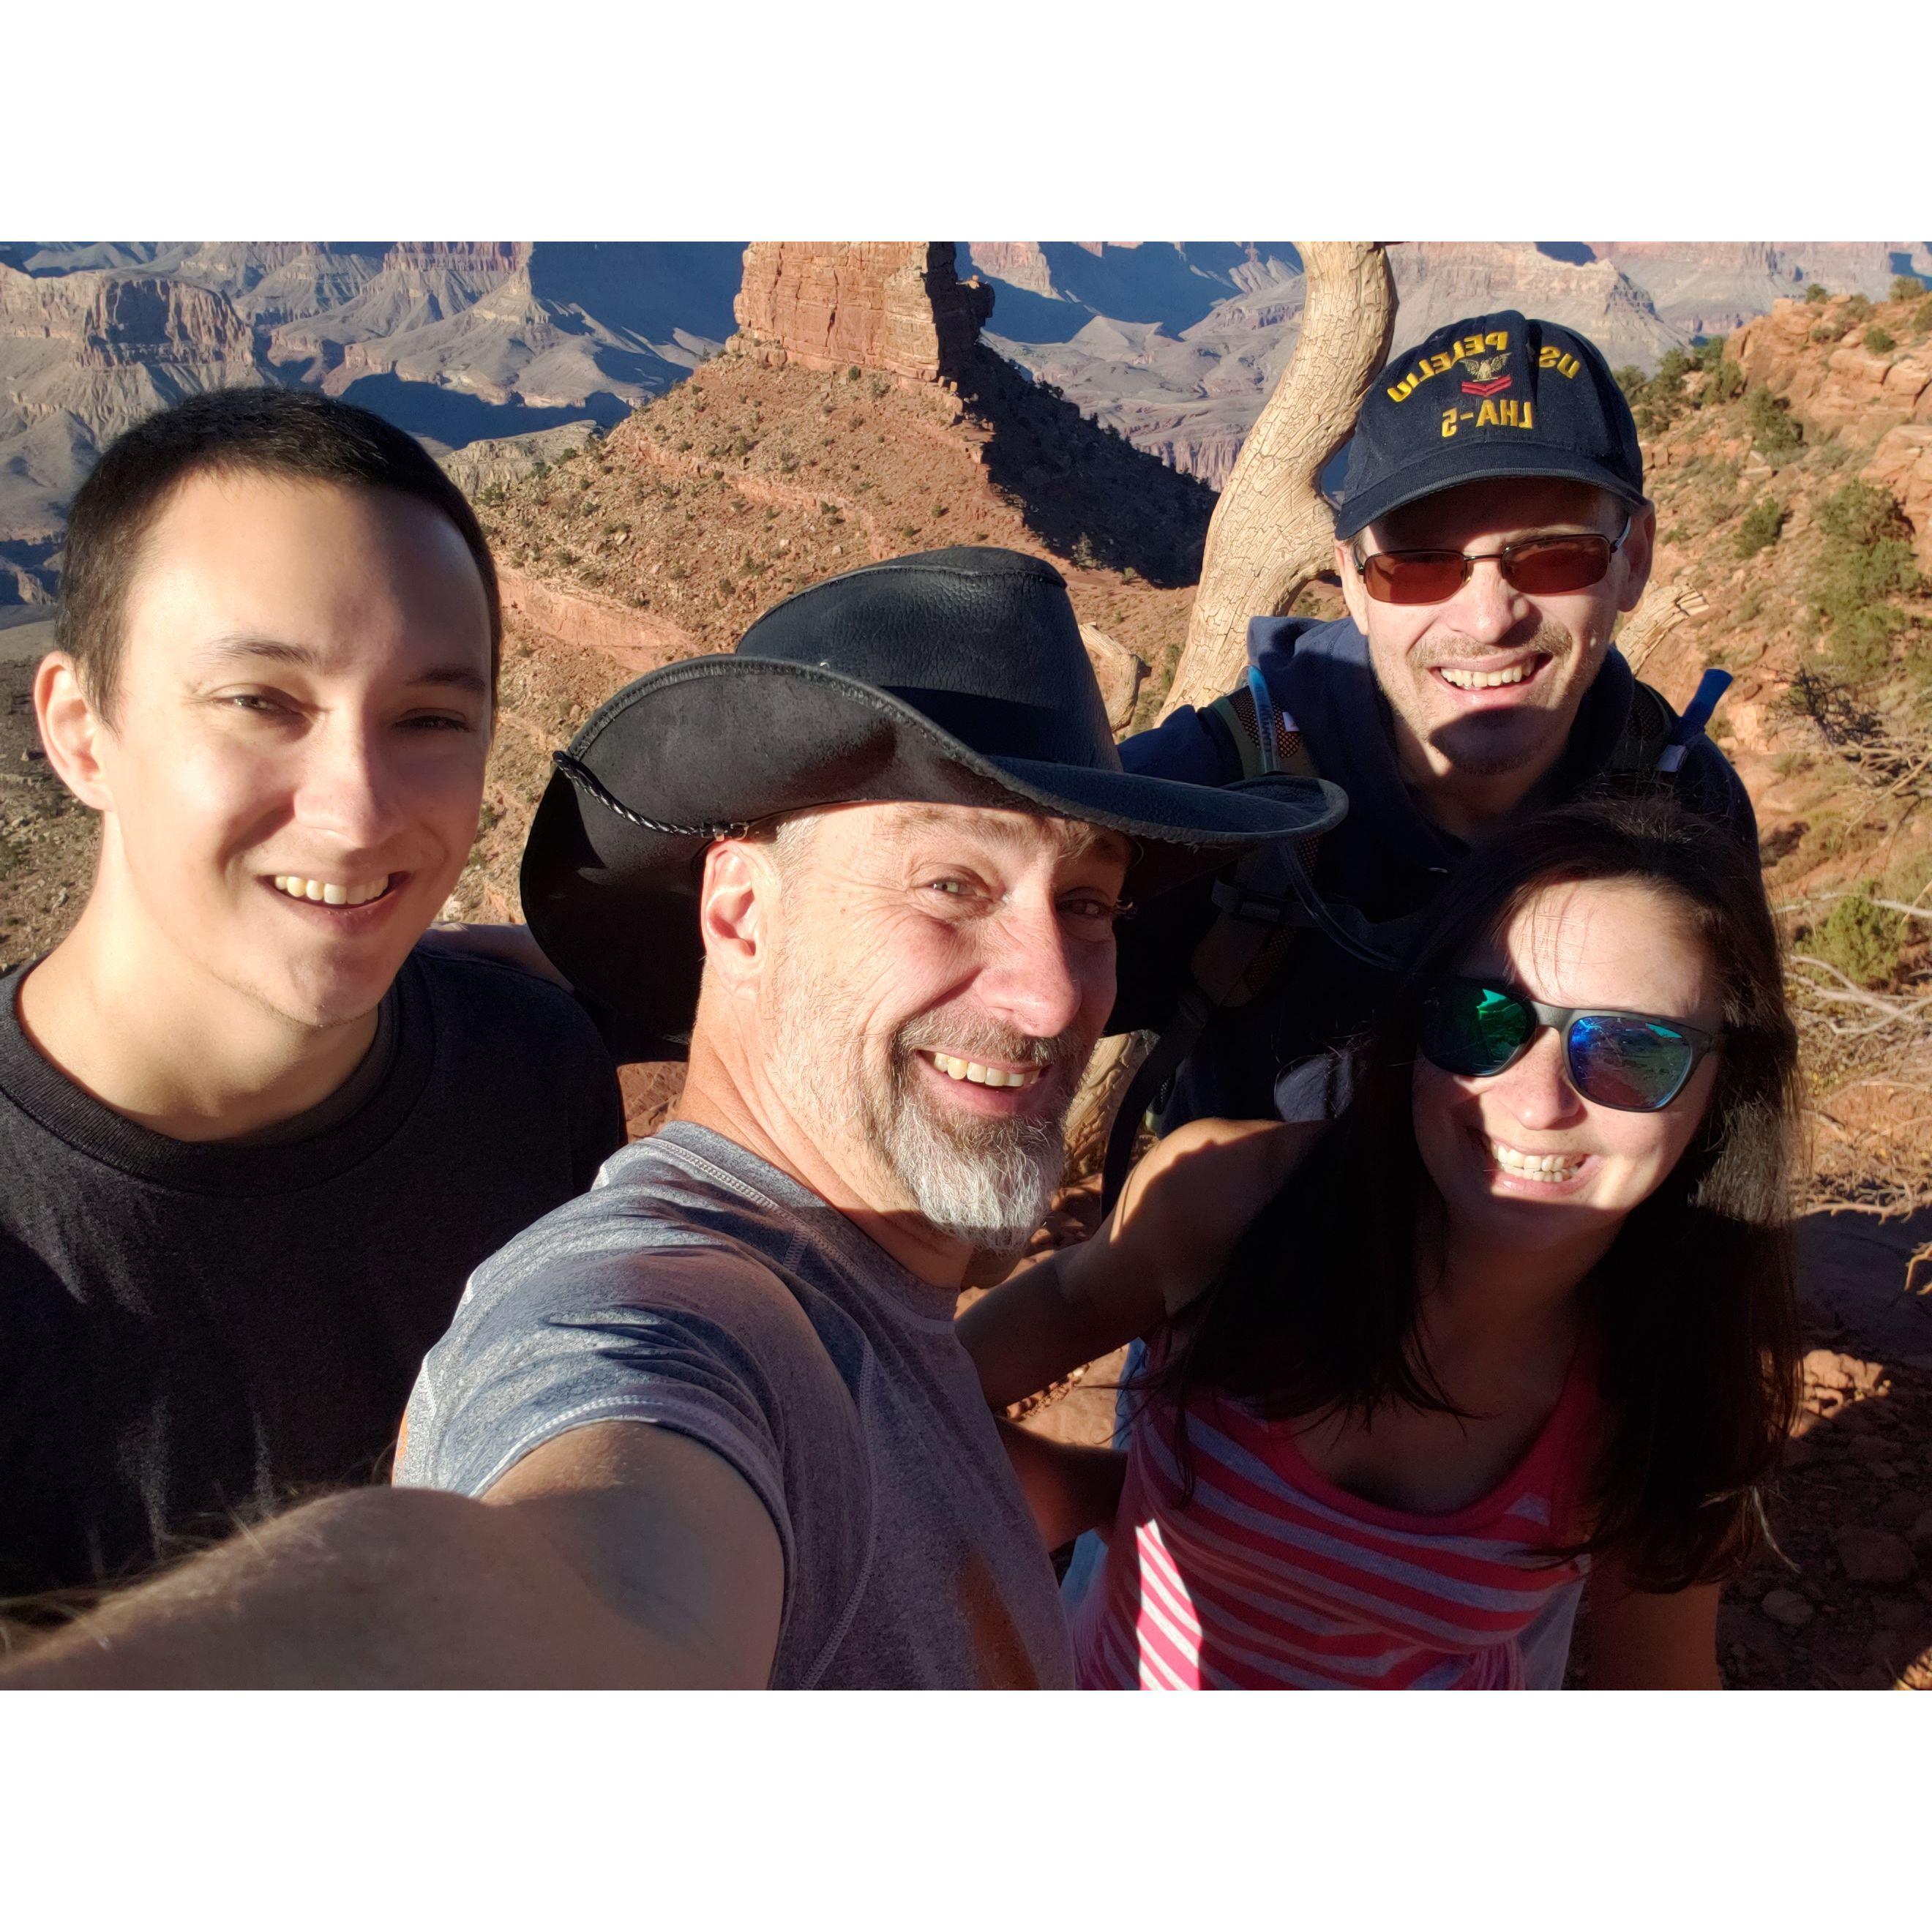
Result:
{"points": [[1497, 395]]}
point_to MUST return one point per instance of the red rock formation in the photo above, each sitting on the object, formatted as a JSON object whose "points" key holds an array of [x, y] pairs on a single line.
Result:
{"points": [[1850, 387], [896, 307], [1902, 464], [632, 639]]}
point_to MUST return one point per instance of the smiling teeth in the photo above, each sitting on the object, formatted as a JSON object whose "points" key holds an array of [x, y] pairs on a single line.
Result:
{"points": [[1550, 1167], [1484, 680], [983, 1076], [324, 891]]}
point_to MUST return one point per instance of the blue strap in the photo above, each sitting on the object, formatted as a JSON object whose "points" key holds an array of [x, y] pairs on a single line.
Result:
{"points": [[1695, 716]]}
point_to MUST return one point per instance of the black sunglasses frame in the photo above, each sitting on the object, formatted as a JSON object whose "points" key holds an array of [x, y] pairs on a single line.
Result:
{"points": [[1503, 558], [1563, 1019]]}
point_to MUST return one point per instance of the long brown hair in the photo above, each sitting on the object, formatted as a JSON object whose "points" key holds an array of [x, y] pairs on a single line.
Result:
{"points": [[1694, 1309]]}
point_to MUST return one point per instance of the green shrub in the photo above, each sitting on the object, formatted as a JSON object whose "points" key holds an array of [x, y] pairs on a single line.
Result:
{"points": [[1759, 530], [1709, 353], [1860, 939], [1863, 514], [1921, 318], [1773, 428], [1727, 384], [1867, 562], [1859, 309], [1878, 342], [1656, 401], [1907, 288], [1817, 292]]}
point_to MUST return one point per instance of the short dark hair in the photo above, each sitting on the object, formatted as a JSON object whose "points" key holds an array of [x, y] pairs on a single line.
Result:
{"points": [[267, 432], [1694, 1310]]}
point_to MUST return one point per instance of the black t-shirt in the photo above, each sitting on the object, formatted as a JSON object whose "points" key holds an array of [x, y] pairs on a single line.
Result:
{"points": [[191, 1333]]}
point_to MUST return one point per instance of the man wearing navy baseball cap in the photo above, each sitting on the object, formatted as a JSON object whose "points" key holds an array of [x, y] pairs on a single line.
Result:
{"points": [[1492, 528]]}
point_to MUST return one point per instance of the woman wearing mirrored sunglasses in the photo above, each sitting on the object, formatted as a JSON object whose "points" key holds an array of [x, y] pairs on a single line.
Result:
{"points": [[1518, 1331]]}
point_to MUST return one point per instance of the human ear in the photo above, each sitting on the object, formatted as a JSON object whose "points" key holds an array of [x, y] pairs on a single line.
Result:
{"points": [[734, 905], [1639, 548], [1353, 594], [70, 729]]}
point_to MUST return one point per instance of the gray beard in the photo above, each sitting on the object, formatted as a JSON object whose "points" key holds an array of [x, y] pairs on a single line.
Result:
{"points": [[986, 1182]]}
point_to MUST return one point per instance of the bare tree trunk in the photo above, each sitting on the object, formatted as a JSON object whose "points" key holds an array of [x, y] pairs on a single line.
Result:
{"points": [[1271, 535], [1662, 607], [1091, 1119]]}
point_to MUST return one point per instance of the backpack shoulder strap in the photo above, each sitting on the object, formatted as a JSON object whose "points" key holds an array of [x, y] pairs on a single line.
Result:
{"points": [[1250, 934], [1655, 738], [1235, 713], [1646, 734]]}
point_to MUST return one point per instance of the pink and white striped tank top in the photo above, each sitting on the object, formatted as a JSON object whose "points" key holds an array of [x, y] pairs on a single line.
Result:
{"points": [[1272, 1578]]}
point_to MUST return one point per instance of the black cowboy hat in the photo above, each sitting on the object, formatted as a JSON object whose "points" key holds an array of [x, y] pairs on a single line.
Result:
{"points": [[956, 677]]}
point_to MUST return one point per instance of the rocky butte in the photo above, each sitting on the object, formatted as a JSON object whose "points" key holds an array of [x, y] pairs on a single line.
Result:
{"points": [[896, 307]]}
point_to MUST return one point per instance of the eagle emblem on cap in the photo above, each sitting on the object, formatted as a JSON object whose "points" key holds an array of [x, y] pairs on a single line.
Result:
{"points": [[1487, 371]]}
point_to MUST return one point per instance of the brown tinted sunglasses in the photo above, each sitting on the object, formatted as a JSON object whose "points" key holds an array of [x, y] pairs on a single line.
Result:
{"points": [[1537, 566]]}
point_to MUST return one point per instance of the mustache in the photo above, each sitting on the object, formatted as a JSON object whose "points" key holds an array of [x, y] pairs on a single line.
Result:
{"points": [[981, 1039], [1550, 640]]}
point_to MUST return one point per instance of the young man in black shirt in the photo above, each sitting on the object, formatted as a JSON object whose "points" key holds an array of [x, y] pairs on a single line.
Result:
{"points": [[252, 1141]]}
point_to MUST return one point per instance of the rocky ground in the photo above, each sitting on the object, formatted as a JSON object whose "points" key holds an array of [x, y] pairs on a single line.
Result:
{"points": [[1843, 1599]]}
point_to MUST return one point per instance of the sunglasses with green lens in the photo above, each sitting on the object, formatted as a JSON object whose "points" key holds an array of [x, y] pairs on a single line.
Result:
{"points": [[1635, 1063]]}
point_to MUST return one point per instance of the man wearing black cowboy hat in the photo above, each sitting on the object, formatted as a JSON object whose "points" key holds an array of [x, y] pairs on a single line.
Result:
{"points": [[865, 874]]}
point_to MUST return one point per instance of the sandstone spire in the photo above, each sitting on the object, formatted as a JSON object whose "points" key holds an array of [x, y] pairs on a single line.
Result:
{"points": [[899, 307]]}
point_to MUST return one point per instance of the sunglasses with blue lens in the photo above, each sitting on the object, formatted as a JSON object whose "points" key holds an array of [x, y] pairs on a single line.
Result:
{"points": [[1634, 1063]]}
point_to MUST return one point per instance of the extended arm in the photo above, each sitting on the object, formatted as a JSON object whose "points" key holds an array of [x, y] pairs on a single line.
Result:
{"points": [[1069, 1487], [1640, 1641], [1177, 1219], [618, 1555]]}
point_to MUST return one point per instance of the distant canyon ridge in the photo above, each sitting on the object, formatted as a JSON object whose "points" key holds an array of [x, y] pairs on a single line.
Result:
{"points": [[485, 348]]}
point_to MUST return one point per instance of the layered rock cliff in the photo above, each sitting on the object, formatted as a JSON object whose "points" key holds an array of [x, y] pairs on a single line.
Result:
{"points": [[83, 357], [454, 341], [896, 307]]}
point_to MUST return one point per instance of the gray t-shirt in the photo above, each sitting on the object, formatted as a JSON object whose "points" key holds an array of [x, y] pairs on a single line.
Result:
{"points": [[697, 1287]]}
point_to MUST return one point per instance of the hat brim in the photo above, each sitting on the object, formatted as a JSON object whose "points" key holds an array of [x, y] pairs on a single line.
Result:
{"points": [[1444, 468], [689, 753]]}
